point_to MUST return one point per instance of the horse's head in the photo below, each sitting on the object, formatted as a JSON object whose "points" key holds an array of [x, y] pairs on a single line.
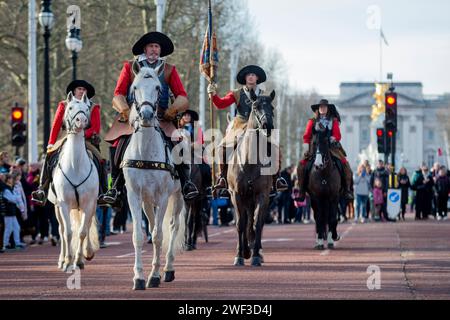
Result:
{"points": [[146, 90], [77, 113], [262, 111], [322, 148]]}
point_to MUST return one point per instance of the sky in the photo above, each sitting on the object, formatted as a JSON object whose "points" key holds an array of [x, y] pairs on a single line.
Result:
{"points": [[326, 42]]}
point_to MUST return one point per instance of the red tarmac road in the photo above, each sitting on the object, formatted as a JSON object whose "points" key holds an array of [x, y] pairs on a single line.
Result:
{"points": [[413, 257]]}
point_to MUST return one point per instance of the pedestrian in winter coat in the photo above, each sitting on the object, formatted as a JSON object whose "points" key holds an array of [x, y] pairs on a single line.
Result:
{"points": [[442, 187], [404, 184]]}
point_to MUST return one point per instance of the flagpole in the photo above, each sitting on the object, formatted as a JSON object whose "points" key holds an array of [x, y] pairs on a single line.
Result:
{"points": [[211, 107]]}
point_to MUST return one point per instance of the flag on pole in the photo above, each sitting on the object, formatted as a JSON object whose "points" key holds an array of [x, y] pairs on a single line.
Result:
{"points": [[383, 37], [209, 58]]}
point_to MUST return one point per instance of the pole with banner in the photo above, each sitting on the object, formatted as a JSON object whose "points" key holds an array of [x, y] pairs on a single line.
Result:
{"points": [[208, 66]]}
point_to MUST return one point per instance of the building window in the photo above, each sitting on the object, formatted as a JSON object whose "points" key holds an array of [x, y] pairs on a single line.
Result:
{"points": [[412, 129], [430, 160], [365, 136], [349, 129], [430, 135]]}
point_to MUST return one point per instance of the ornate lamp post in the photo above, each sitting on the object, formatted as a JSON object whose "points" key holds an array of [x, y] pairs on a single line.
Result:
{"points": [[73, 40], [46, 21]]}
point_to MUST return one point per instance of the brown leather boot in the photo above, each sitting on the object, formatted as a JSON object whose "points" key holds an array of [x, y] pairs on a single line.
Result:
{"points": [[348, 177]]}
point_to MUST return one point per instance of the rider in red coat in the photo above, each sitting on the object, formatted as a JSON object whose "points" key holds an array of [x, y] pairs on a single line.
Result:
{"points": [[78, 88], [326, 116], [149, 50]]}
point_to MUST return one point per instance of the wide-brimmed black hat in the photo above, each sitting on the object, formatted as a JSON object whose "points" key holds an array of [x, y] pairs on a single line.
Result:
{"points": [[81, 83], [154, 37], [330, 106], [194, 114], [260, 73]]}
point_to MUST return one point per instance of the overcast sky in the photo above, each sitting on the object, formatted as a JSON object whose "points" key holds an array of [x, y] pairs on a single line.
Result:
{"points": [[326, 42]]}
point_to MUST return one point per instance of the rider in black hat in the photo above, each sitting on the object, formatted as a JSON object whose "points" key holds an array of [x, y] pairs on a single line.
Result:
{"points": [[149, 50], [325, 116], [91, 134], [249, 77]]}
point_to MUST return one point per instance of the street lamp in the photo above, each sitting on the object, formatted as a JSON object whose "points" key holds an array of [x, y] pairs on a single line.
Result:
{"points": [[74, 44], [46, 21]]}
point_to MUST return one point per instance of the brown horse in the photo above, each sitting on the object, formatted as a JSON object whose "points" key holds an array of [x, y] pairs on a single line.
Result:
{"points": [[197, 219], [248, 184], [324, 188]]}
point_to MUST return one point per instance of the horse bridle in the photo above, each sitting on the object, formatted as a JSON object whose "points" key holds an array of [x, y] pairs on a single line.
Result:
{"points": [[259, 116], [69, 122]]}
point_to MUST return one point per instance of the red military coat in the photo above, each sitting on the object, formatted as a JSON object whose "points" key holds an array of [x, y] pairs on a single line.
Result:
{"points": [[59, 119], [225, 102], [335, 131], [125, 81]]}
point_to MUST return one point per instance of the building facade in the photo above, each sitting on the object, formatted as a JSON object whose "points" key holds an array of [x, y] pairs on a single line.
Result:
{"points": [[421, 135]]}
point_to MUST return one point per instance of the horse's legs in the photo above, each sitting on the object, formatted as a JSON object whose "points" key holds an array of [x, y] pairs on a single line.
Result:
{"points": [[80, 236], [61, 232], [318, 217], [241, 223], [138, 239], [332, 225], [66, 236], [190, 230], [157, 237], [176, 204], [258, 224]]}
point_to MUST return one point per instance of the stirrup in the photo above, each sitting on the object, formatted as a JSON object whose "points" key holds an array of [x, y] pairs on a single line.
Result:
{"points": [[284, 186], [39, 197], [219, 184], [191, 194], [110, 196]]}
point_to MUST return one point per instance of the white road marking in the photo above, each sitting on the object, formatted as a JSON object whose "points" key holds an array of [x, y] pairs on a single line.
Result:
{"points": [[277, 240], [129, 254], [219, 233], [113, 243]]}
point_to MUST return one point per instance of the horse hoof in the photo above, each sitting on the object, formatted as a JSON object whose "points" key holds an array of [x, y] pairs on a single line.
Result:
{"points": [[169, 276], [238, 261], [80, 266], [89, 258], [139, 284], [247, 253], [330, 246], [319, 247], [154, 282], [60, 265], [338, 237], [256, 261]]}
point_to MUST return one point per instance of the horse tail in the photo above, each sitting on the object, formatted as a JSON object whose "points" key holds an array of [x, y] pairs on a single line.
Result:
{"points": [[174, 224], [91, 245]]}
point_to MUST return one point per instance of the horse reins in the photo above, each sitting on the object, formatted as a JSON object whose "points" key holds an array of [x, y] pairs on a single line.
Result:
{"points": [[75, 187]]}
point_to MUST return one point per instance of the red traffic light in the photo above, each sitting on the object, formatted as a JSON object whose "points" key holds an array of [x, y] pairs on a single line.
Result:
{"points": [[379, 132], [390, 133], [391, 99], [17, 114]]}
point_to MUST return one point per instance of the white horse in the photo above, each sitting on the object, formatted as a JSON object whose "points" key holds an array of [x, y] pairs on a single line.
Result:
{"points": [[149, 178], [75, 190]]}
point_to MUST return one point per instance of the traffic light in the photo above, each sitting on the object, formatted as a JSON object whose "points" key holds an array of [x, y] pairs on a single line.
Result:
{"points": [[391, 110], [380, 140], [18, 127], [384, 140]]}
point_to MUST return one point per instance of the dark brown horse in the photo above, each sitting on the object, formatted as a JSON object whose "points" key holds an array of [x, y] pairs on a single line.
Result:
{"points": [[197, 219], [248, 182], [324, 185]]}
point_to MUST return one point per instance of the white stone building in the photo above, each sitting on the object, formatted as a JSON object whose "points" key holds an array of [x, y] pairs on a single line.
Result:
{"points": [[420, 132]]}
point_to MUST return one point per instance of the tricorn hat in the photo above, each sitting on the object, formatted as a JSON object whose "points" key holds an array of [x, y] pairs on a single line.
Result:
{"points": [[81, 83], [194, 114], [260, 73], [154, 37]]}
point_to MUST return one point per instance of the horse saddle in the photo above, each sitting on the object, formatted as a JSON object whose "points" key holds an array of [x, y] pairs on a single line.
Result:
{"points": [[118, 129]]}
